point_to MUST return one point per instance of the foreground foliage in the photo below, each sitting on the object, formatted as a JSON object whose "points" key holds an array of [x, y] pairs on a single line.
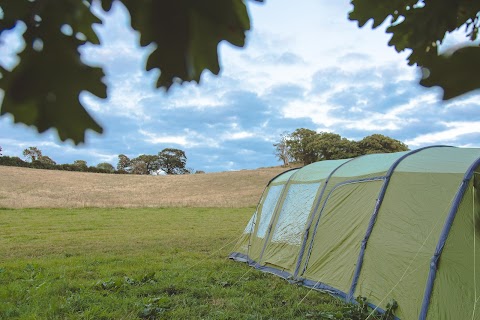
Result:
{"points": [[43, 90], [421, 27]]}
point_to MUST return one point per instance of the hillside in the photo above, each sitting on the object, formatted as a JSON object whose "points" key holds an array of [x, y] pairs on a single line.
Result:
{"points": [[35, 188]]}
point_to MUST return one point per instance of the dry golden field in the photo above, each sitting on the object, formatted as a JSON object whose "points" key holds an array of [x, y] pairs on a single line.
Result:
{"points": [[35, 188]]}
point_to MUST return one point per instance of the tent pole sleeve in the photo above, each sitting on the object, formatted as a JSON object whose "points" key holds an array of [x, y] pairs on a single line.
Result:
{"points": [[443, 238], [373, 219], [278, 175]]}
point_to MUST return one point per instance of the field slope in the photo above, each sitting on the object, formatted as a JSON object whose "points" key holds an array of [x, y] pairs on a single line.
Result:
{"points": [[35, 188]]}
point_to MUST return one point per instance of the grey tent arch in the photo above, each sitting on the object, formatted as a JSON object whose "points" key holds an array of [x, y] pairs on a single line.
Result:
{"points": [[399, 226]]}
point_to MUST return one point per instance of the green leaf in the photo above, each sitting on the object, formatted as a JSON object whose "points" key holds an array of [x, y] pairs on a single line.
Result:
{"points": [[187, 34], [377, 10], [12, 11], [456, 74], [43, 91], [421, 26]]}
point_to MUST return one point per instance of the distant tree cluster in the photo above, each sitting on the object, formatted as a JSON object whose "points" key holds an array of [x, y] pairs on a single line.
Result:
{"points": [[168, 161], [35, 159], [308, 146]]}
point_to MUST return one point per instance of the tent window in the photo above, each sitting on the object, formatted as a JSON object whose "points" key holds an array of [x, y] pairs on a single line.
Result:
{"points": [[251, 224], [476, 202], [267, 209], [294, 215]]}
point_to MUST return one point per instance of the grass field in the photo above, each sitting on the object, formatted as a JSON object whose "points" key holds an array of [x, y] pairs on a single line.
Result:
{"points": [[147, 263], [98, 246]]}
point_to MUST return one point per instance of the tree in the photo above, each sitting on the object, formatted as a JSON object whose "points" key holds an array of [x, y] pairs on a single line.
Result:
{"points": [[0, 151], [421, 26], [32, 153], [308, 146], [300, 145], [172, 161], [46, 160], [151, 162], [42, 91], [14, 162], [330, 146], [282, 150], [124, 163], [107, 167], [377, 143], [81, 165], [138, 167]]}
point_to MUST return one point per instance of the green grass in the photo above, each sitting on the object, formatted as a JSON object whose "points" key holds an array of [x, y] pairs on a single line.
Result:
{"points": [[164, 263]]}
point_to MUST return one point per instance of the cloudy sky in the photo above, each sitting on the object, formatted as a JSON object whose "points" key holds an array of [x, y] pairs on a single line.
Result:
{"points": [[304, 66]]}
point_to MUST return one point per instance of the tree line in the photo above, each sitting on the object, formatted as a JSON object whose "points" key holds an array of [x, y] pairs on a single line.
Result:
{"points": [[167, 161], [307, 146], [302, 146]]}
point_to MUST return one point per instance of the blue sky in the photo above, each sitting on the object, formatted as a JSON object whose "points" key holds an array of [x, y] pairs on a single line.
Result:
{"points": [[304, 66]]}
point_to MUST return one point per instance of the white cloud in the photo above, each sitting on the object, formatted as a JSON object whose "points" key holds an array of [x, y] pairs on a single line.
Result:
{"points": [[11, 43], [452, 133], [192, 95], [349, 103], [190, 139], [237, 135]]}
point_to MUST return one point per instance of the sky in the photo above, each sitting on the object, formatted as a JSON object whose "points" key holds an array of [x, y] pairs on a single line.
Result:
{"points": [[304, 66]]}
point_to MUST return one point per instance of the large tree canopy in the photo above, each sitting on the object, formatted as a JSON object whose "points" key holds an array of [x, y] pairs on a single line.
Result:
{"points": [[43, 90], [172, 161], [308, 146]]}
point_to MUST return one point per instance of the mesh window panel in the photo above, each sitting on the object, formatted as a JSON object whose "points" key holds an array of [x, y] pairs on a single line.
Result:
{"points": [[294, 214], [250, 224], [267, 209]]}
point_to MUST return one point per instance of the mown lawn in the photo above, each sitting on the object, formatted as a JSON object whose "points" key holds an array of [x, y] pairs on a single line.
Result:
{"points": [[163, 263]]}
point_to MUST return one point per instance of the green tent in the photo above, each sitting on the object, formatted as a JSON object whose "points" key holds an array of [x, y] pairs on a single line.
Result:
{"points": [[400, 226]]}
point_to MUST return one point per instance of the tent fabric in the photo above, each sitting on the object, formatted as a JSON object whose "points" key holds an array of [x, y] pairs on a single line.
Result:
{"points": [[401, 226]]}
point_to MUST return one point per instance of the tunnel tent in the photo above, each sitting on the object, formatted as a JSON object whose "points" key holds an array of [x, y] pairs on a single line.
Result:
{"points": [[400, 226]]}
